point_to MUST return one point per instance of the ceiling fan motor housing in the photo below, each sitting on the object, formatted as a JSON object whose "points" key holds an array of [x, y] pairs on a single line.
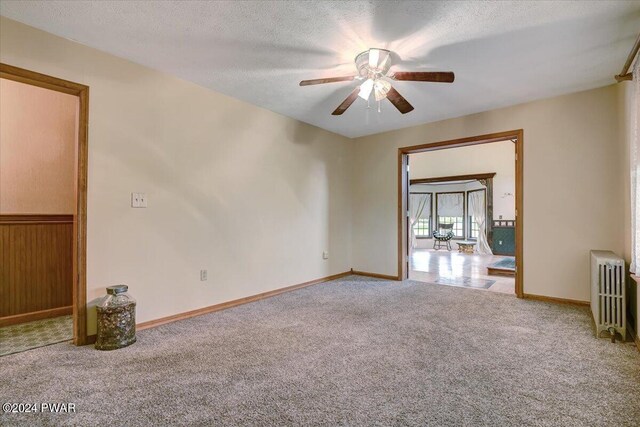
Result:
{"points": [[373, 63]]}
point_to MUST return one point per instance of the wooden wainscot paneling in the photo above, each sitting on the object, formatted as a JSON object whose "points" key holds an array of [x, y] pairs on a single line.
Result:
{"points": [[36, 267]]}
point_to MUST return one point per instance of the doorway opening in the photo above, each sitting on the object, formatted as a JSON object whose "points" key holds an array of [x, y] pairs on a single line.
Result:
{"points": [[43, 209], [459, 226]]}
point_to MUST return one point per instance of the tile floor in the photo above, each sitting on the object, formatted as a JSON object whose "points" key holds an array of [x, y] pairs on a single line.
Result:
{"points": [[457, 269], [18, 338]]}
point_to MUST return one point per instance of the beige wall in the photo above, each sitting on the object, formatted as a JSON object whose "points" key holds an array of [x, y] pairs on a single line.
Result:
{"points": [[37, 149], [573, 198], [218, 173], [625, 123], [625, 120], [498, 157]]}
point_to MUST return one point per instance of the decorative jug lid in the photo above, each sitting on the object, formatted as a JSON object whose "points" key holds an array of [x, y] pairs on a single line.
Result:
{"points": [[117, 289]]}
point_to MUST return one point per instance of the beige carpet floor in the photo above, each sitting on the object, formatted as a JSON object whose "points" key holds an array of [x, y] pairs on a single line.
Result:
{"points": [[353, 352]]}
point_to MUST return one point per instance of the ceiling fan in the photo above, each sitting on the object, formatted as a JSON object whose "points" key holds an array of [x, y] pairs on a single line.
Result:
{"points": [[373, 67]]}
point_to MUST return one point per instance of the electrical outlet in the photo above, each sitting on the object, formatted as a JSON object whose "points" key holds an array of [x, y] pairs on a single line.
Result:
{"points": [[325, 255], [138, 200], [203, 275], [499, 242]]}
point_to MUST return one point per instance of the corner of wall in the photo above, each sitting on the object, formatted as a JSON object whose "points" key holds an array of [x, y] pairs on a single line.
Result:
{"points": [[623, 96]]}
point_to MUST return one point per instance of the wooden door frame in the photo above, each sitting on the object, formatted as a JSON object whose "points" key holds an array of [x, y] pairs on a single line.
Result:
{"points": [[21, 75], [517, 136]]}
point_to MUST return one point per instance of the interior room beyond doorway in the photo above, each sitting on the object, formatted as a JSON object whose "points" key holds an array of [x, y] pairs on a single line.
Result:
{"points": [[462, 217], [38, 139]]}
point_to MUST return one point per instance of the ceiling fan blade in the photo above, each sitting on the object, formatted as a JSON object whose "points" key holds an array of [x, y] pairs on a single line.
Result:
{"points": [[326, 80], [398, 101], [426, 76], [347, 102]]}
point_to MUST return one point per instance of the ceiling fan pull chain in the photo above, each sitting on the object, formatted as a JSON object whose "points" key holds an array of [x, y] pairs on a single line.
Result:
{"points": [[368, 106], [379, 103]]}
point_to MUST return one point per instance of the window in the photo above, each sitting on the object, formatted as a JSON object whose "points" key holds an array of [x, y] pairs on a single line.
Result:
{"points": [[473, 228], [450, 210], [422, 227], [457, 221]]}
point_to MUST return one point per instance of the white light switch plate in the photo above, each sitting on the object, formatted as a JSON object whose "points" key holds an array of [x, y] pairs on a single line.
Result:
{"points": [[138, 200], [325, 255], [203, 275]]}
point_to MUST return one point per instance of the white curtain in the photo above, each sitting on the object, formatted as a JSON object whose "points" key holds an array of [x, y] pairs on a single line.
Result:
{"points": [[479, 212], [419, 207], [451, 204], [635, 172]]}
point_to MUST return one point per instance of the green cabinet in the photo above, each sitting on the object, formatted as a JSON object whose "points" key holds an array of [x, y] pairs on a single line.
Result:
{"points": [[504, 241]]}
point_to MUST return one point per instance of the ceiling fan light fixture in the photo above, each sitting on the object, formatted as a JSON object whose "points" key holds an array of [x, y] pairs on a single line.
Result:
{"points": [[373, 67], [380, 89], [365, 89]]}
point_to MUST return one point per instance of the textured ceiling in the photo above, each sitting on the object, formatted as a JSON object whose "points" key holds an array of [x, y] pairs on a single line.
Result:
{"points": [[503, 53]]}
